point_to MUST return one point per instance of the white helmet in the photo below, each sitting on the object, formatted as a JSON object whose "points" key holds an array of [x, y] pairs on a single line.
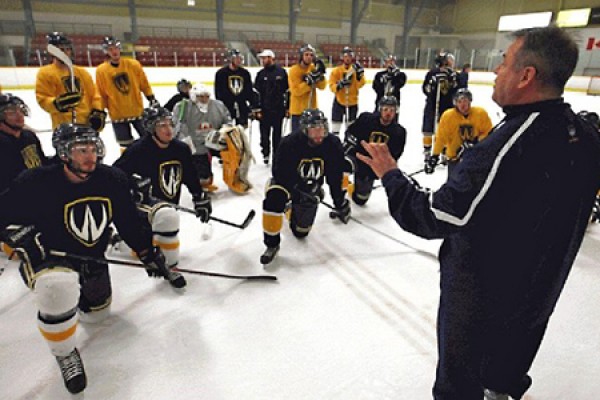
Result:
{"points": [[197, 90]]}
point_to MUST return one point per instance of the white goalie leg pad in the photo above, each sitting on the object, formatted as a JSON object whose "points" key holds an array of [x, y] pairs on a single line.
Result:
{"points": [[336, 127], [57, 295], [165, 225], [94, 317]]}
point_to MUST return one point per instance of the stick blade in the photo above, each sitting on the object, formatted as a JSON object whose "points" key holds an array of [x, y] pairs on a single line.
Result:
{"points": [[61, 55], [249, 219]]}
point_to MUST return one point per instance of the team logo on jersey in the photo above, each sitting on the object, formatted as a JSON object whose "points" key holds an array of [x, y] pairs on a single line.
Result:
{"points": [[66, 81], [378, 137], [236, 84], [31, 158], [121, 82], [169, 176], [466, 132], [311, 169], [86, 219]]}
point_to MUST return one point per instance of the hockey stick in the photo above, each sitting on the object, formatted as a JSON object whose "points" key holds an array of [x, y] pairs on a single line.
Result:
{"points": [[62, 56], [243, 225], [140, 265], [333, 214]]}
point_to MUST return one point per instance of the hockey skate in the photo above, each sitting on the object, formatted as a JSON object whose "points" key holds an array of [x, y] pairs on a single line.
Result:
{"points": [[175, 278], [72, 371], [269, 255]]}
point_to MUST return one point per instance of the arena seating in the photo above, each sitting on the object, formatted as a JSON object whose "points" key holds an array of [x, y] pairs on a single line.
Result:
{"points": [[286, 53]]}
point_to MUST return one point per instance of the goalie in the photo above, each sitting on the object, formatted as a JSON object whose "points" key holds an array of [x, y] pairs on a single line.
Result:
{"points": [[205, 125]]}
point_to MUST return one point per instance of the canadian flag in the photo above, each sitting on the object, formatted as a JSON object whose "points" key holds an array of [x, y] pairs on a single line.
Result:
{"points": [[592, 44]]}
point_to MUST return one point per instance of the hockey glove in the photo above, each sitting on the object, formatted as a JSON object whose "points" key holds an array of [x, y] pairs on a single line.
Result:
{"points": [[360, 71], [310, 192], [97, 119], [152, 101], [66, 101], [343, 83], [350, 143], [431, 163], [342, 211], [308, 78], [467, 144], [202, 206], [317, 76], [25, 241], [154, 262], [142, 189]]}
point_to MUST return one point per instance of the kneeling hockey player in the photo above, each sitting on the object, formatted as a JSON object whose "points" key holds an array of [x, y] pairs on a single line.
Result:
{"points": [[82, 198], [303, 161], [163, 164], [378, 127]]}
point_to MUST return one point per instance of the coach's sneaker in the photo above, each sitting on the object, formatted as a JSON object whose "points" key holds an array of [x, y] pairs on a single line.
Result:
{"points": [[72, 371]]}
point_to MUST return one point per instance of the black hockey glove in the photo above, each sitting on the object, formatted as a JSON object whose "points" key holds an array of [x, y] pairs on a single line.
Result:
{"points": [[97, 119], [66, 101], [308, 78], [142, 191], [467, 144], [310, 192], [317, 76], [350, 143], [431, 163], [25, 241], [154, 262], [342, 211], [202, 206], [343, 83], [360, 71], [152, 101]]}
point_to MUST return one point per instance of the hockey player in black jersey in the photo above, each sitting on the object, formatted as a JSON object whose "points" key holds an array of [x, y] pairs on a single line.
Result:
{"points": [[20, 148], [162, 164], [233, 86], [379, 127], [439, 87], [81, 198], [389, 81], [304, 160], [183, 92]]}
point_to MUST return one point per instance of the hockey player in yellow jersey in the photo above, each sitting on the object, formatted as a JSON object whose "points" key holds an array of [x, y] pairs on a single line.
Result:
{"points": [[345, 81], [304, 78], [55, 95], [460, 128], [120, 83]]}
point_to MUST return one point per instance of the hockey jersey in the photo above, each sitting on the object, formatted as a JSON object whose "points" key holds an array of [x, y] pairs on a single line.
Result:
{"points": [[18, 154], [234, 87], [345, 97], [120, 88], [52, 81], [297, 164], [167, 168], [455, 128], [193, 123], [300, 90]]}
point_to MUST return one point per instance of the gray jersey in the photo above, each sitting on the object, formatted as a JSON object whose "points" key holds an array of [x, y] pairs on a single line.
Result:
{"points": [[193, 123]]}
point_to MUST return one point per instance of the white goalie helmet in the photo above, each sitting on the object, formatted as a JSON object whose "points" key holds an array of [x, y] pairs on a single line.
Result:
{"points": [[198, 90]]}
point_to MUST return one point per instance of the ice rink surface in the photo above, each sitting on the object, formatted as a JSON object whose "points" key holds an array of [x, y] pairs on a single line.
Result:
{"points": [[352, 315]]}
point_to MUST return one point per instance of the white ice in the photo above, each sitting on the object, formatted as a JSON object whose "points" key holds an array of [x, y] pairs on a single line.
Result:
{"points": [[352, 315]]}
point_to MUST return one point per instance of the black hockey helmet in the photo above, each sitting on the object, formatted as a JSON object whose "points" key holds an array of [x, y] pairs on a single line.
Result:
{"points": [[443, 59], [59, 40], [460, 93], [388, 101], [66, 135], [313, 118], [110, 41], [182, 84], [8, 100], [304, 48], [390, 57], [347, 50], [152, 116]]}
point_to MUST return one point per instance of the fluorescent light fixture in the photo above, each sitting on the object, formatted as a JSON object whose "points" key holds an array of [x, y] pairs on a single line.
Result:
{"points": [[573, 18], [521, 21], [191, 3]]}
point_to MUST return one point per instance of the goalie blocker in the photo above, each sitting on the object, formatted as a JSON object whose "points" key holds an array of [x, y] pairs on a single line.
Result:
{"points": [[233, 145]]}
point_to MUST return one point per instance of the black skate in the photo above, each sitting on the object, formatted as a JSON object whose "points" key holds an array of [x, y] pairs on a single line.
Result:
{"points": [[72, 371], [269, 255], [175, 279]]}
